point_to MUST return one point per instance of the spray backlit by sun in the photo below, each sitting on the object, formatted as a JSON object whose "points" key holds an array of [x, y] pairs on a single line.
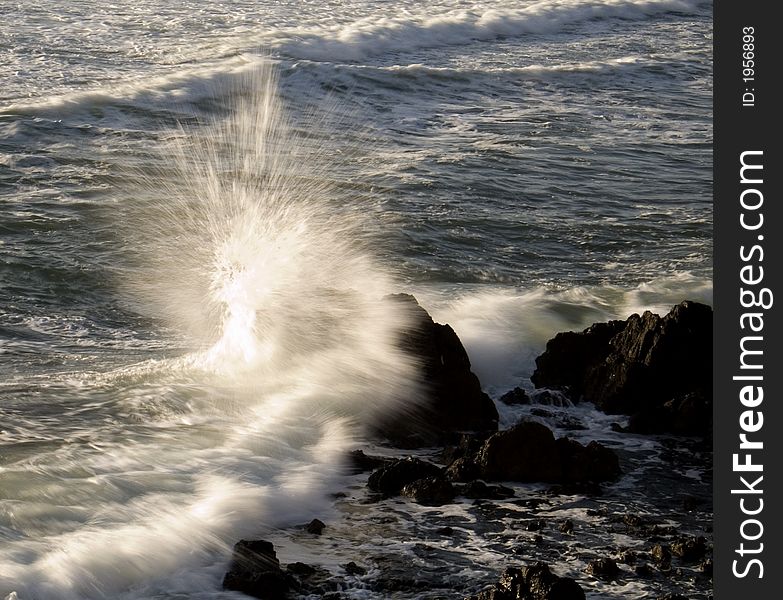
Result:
{"points": [[249, 250]]}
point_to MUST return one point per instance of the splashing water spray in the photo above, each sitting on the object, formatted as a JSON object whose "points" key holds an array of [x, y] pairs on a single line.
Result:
{"points": [[256, 255]]}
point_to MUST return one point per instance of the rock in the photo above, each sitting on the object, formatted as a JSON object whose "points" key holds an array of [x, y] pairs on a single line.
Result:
{"points": [[535, 525], [662, 556], [449, 531], [656, 369], [479, 490], [528, 452], [603, 568], [689, 549], [463, 470], [570, 357], [593, 462], [255, 571], [627, 557], [432, 491], [467, 447], [361, 462], [567, 527], [455, 401], [632, 520], [555, 398], [390, 480], [515, 396], [353, 569], [706, 567], [316, 526], [534, 582], [525, 453]]}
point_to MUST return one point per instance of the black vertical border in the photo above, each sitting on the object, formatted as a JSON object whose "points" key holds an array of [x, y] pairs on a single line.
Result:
{"points": [[738, 128]]}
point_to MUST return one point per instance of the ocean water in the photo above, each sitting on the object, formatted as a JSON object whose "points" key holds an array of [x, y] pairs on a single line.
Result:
{"points": [[203, 204]]}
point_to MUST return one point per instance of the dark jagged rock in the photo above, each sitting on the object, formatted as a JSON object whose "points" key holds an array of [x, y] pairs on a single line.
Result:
{"points": [[570, 357], [603, 568], [593, 462], [255, 571], [632, 520], [432, 491], [567, 527], [316, 527], [689, 549], [455, 400], [467, 446], [360, 462], [535, 525], [662, 555], [528, 452], [390, 480], [463, 470], [656, 369], [706, 567], [535, 582], [515, 396]]}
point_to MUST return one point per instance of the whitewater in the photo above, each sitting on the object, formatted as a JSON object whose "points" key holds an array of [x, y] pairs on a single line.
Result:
{"points": [[203, 206]]}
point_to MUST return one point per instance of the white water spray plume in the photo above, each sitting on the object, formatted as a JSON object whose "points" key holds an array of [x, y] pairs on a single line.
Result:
{"points": [[239, 242], [248, 246]]}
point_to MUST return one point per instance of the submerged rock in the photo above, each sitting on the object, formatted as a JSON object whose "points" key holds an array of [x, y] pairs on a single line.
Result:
{"points": [[656, 369], [689, 549], [316, 527], [534, 582], [603, 568], [455, 401], [515, 396], [255, 571]]}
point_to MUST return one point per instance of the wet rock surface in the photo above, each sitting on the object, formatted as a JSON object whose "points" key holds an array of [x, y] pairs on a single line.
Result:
{"points": [[392, 478], [255, 571], [529, 452], [656, 369], [455, 400], [534, 582]]}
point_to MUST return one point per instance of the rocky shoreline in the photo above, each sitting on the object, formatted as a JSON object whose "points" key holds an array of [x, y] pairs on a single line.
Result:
{"points": [[445, 479]]}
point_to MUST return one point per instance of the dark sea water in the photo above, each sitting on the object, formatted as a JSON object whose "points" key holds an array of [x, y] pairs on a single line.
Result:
{"points": [[202, 204]]}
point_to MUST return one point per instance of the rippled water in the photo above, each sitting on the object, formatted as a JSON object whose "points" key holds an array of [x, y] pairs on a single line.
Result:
{"points": [[522, 167]]}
